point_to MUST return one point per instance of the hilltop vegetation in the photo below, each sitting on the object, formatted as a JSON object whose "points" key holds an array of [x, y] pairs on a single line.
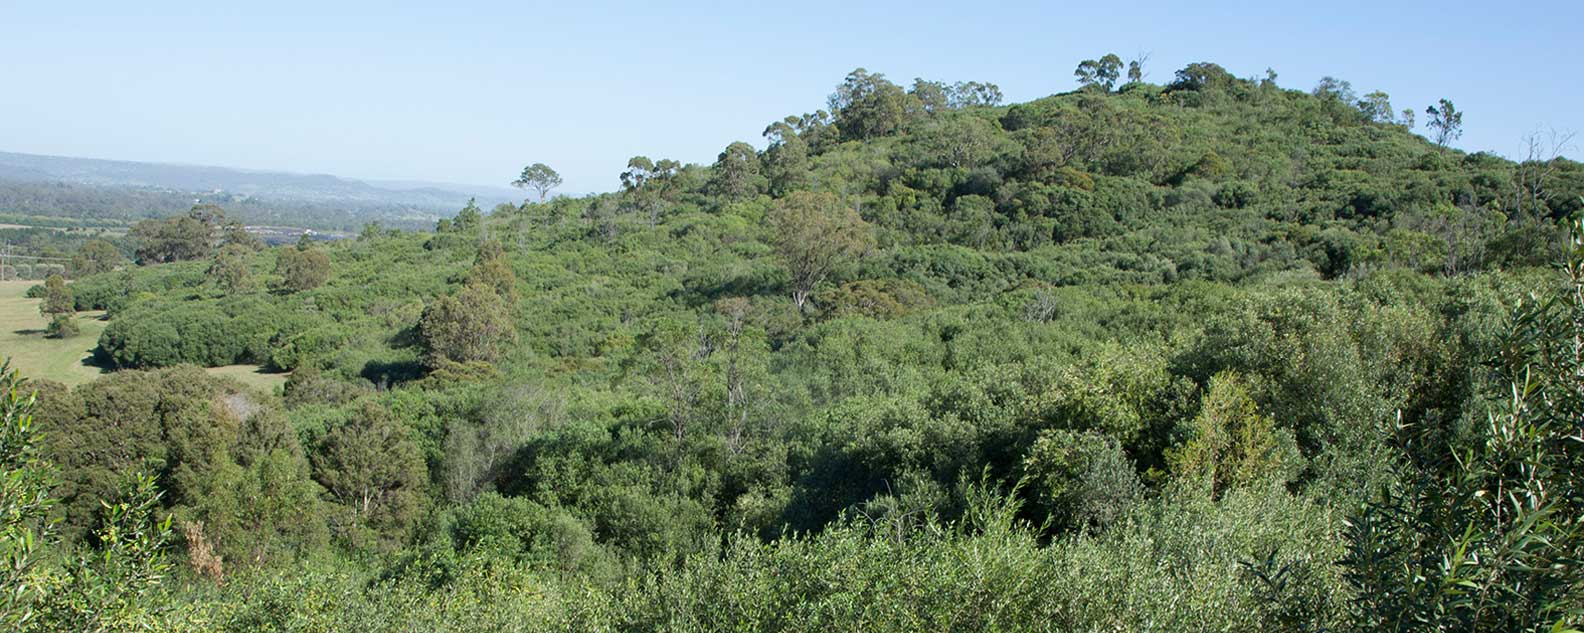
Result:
{"points": [[1207, 355]]}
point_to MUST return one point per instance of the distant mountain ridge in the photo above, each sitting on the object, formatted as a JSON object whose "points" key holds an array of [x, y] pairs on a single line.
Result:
{"points": [[318, 188]]}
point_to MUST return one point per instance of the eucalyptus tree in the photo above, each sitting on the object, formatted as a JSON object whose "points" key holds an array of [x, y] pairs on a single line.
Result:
{"points": [[539, 178], [1100, 74], [647, 184], [94, 257], [786, 160], [1446, 122], [867, 105], [737, 173]]}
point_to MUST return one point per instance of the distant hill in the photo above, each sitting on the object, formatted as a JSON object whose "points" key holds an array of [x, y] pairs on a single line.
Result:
{"points": [[34, 184]]}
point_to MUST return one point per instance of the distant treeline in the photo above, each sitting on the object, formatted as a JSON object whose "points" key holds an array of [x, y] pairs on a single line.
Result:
{"points": [[128, 204]]}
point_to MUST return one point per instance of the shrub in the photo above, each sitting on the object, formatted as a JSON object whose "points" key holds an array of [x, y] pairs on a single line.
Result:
{"points": [[62, 326], [468, 326], [301, 269], [1082, 478]]}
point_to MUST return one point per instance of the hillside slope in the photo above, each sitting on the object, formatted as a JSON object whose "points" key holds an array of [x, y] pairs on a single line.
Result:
{"points": [[1214, 354]]}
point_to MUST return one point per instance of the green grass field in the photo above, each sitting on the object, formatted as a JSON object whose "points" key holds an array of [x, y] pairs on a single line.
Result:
{"points": [[250, 375], [69, 361], [22, 339]]}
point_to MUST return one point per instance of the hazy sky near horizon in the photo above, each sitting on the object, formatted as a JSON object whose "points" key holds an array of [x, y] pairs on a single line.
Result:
{"points": [[472, 91]]}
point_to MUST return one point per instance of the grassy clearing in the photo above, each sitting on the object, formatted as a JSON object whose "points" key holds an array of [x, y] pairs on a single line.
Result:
{"points": [[70, 361], [250, 375], [22, 339]]}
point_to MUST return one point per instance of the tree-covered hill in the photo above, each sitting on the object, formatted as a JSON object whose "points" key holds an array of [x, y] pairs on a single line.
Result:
{"points": [[1213, 354]]}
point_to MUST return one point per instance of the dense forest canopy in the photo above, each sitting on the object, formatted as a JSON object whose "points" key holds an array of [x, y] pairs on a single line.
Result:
{"points": [[1209, 355]]}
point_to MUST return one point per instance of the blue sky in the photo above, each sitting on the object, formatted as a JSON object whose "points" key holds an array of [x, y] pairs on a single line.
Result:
{"points": [[472, 91]]}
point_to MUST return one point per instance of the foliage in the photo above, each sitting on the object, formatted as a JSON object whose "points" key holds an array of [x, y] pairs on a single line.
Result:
{"points": [[1100, 75], [95, 257], [466, 327], [59, 307], [1232, 443], [375, 475], [815, 234], [25, 525], [867, 105], [1123, 358], [737, 173], [116, 586], [230, 268], [301, 269], [149, 336], [62, 326], [493, 269], [1446, 121], [538, 177], [176, 239], [1485, 531], [57, 298], [112, 586], [1083, 478]]}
